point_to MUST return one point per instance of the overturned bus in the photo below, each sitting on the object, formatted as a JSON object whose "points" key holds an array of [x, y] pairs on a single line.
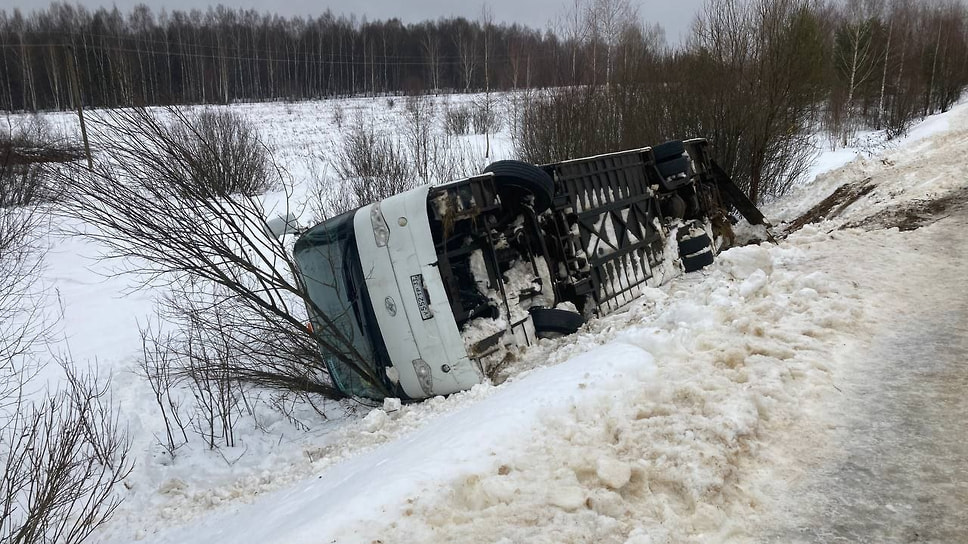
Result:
{"points": [[427, 288]]}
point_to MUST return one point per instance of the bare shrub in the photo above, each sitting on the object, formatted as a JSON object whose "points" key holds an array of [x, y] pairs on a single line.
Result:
{"points": [[23, 322], [901, 114], [451, 159], [216, 252], [339, 116], [22, 184], [62, 453], [327, 196], [372, 165], [767, 58], [215, 391], [61, 459], [203, 369], [457, 120], [419, 116], [160, 369], [24, 148], [221, 153], [484, 118], [569, 122], [210, 361]]}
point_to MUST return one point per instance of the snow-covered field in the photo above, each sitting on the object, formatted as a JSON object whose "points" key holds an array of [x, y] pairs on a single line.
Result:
{"points": [[728, 405]]}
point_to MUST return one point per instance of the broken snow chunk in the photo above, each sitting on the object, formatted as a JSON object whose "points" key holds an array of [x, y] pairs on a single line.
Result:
{"points": [[639, 536], [741, 262], [567, 306], [498, 489], [745, 233], [816, 281], [375, 420], [569, 498], [753, 284], [808, 293], [391, 404], [613, 473], [172, 486], [608, 503]]}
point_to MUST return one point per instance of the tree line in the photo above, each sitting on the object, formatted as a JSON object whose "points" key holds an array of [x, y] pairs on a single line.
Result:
{"points": [[876, 59], [758, 77], [223, 55]]}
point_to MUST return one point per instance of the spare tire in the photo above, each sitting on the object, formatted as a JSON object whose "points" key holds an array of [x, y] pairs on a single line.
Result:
{"points": [[552, 322], [673, 167], [695, 244], [697, 261], [515, 180], [696, 251], [668, 150]]}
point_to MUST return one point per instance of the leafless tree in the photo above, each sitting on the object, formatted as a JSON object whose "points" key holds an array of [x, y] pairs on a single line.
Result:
{"points": [[221, 55], [465, 42], [573, 28], [766, 58], [419, 115], [485, 105], [607, 21], [855, 60], [431, 47], [141, 206]]}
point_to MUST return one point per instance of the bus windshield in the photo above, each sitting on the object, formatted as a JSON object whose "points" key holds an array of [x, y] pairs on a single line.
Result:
{"points": [[329, 263]]}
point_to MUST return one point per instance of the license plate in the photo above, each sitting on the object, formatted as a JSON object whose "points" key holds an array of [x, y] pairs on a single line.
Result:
{"points": [[423, 304]]}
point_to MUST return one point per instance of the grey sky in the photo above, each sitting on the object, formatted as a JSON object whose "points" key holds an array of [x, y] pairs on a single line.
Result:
{"points": [[674, 15]]}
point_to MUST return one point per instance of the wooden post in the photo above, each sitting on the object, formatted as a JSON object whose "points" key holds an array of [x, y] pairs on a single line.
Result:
{"points": [[76, 88]]}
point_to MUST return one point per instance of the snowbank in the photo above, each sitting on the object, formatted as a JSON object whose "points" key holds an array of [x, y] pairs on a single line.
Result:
{"points": [[636, 428]]}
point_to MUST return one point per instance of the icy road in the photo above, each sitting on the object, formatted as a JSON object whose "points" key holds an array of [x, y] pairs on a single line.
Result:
{"points": [[809, 391], [895, 468]]}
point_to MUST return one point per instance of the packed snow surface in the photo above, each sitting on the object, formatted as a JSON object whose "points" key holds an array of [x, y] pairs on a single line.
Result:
{"points": [[753, 400]]}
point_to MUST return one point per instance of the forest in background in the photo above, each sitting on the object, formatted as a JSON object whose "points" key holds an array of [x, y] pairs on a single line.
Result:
{"points": [[760, 78], [869, 52], [223, 55]]}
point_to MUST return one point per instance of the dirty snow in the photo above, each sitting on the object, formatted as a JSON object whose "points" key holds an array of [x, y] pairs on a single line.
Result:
{"points": [[771, 396]]}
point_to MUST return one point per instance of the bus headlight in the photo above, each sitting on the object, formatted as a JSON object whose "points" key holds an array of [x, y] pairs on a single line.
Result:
{"points": [[381, 232], [424, 376]]}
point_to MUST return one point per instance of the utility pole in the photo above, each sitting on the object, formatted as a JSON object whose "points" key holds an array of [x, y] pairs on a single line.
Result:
{"points": [[76, 88]]}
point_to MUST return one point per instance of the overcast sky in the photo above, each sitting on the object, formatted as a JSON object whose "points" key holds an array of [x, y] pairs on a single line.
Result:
{"points": [[675, 16]]}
